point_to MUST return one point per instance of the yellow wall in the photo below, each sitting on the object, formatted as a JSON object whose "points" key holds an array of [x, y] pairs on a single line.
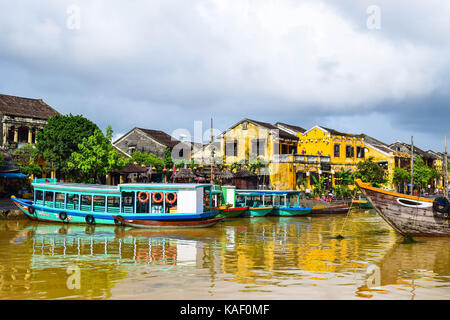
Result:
{"points": [[244, 139]]}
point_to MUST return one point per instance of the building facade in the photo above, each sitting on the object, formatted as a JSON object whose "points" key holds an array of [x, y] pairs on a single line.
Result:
{"points": [[21, 118], [151, 141]]}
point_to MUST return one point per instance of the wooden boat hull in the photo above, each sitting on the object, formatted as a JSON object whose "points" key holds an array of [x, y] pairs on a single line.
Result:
{"points": [[336, 209], [53, 214], [232, 212], [406, 214], [257, 211], [149, 223], [291, 212]]}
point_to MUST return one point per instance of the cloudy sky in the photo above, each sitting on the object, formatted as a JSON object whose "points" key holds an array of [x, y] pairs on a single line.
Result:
{"points": [[375, 67]]}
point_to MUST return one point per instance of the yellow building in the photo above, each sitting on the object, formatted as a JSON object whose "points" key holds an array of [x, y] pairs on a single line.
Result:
{"points": [[326, 151], [249, 141], [294, 154]]}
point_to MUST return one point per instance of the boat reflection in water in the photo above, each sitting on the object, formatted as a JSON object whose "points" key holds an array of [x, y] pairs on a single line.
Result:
{"points": [[409, 268], [258, 258]]}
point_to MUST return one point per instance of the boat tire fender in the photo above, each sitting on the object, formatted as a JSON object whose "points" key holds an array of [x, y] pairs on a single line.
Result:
{"points": [[441, 205], [62, 215], [31, 210], [90, 219]]}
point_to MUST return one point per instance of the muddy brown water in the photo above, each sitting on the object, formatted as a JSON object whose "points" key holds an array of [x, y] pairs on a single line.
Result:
{"points": [[242, 258]]}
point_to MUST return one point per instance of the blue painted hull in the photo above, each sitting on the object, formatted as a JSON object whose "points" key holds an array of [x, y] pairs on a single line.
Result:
{"points": [[53, 214]]}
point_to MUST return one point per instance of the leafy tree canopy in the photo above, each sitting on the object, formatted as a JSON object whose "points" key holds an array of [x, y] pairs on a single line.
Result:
{"points": [[401, 176], [422, 173], [372, 172], [26, 157], [147, 159], [96, 157], [61, 137]]}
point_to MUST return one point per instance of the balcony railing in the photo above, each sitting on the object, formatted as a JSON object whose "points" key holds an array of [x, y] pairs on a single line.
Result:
{"points": [[300, 158]]}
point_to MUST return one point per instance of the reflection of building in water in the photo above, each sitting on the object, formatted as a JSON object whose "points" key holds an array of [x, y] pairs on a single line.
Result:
{"points": [[295, 243]]}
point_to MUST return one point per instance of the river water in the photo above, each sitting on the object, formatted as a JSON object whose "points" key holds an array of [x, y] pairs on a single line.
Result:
{"points": [[243, 258]]}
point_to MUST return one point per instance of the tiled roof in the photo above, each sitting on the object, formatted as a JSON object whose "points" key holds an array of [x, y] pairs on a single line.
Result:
{"points": [[25, 107], [292, 127], [161, 137], [281, 133]]}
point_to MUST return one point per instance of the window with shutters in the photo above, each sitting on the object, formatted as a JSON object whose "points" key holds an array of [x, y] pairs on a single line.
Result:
{"points": [[258, 146]]}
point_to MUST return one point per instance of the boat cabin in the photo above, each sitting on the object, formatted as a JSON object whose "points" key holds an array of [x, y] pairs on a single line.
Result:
{"points": [[129, 198], [261, 198]]}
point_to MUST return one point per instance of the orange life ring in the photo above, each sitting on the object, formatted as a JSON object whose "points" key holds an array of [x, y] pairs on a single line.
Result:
{"points": [[147, 196], [174, 197], [155, 200]]}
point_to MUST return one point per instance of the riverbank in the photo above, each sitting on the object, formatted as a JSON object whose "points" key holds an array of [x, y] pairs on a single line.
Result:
{"points": [[8, 211]]}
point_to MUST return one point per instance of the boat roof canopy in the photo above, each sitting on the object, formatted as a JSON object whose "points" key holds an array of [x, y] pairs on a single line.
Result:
{"points": [[51, 184], [267, 192]]}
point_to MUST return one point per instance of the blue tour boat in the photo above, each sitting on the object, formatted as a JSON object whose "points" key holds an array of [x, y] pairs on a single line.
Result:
{"points": [[189, 204], [284, 203]]}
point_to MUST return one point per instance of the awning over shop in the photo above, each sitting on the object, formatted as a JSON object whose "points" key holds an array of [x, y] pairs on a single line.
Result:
{"points": [[13, 175]]}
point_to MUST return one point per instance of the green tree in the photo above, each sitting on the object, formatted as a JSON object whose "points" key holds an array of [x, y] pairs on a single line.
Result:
{"points": [[61, 137], [168, 162], [319, 187], [96, 157], [422, 173], [343, 178], [372, 172], [147, 159], [400, 176], [26, 157]]}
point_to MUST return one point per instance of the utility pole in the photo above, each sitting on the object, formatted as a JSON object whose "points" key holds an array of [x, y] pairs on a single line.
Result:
{"points": [[412, 165], [445, 169], [212, 152]]}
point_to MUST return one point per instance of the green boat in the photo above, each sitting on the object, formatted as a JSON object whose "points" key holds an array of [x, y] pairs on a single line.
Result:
{"points": [[362, 202], [254, 202], [283, 203], [228, 209]]}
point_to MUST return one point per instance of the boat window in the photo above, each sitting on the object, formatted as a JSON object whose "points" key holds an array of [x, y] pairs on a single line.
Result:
{"points": [[48, 198], [59, 200], [99, 203], [157, 199], [143, 202], [39, 196], [113, 204], [86, 203], [72, 201], [292, 200], [128, 202]]}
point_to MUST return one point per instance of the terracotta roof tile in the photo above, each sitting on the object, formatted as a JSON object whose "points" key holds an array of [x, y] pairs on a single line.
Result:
{"points": [[25, 107]]}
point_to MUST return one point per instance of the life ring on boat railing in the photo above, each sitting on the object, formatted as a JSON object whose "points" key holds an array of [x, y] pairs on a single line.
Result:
{"points": [[143, 200], [157, 200], [441, 205], [89, 219], [171, 197], [31, 210], [62, 215]]}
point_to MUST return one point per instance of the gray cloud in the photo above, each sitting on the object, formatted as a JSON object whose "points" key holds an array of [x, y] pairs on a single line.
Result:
{"points": [[164, 64]]}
